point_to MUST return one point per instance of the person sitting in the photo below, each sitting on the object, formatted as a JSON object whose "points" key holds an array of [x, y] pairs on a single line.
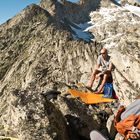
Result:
{"points": [[103, 68]]}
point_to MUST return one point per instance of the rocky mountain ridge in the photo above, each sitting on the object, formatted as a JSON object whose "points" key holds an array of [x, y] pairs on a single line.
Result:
{"points": [[75, 12]]}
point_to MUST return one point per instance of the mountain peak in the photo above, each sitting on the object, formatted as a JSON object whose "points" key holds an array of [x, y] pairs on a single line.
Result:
{"points": [[26, 15], [75, 12]]}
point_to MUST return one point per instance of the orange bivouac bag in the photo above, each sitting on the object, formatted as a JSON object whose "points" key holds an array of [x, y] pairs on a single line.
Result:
{"points": [[129, 128]]}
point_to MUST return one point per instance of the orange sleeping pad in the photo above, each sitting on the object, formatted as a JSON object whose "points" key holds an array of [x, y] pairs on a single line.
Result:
{"points": [[89, 97]]}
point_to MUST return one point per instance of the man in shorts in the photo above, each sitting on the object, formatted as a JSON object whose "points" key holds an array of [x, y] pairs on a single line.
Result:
{"points": [[103, 67]]}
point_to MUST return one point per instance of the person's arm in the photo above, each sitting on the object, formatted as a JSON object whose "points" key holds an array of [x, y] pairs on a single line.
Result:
{"points": [[100, 89], [110, 67]]}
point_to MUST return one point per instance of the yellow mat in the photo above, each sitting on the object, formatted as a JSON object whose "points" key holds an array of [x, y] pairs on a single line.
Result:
{"points": [[88, 97]]}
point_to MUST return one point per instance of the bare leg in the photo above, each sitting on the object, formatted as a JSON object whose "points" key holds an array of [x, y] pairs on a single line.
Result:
{"points": [[105, 77], [92, 79], [103, 83]]}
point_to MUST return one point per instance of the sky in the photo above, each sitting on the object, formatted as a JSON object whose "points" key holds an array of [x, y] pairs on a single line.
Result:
{"points": [[9, 8]]}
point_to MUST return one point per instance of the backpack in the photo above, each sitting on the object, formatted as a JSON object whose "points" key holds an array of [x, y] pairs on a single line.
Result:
{"points": [[129, 128], [108, 90]]}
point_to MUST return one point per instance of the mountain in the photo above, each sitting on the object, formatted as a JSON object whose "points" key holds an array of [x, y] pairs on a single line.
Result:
{"points": [[118, 30], [46, 48]]}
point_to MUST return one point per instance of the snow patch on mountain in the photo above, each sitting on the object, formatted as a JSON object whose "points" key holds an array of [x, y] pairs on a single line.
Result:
{"points": [[133, 9], [118, 1], [81, 31]]}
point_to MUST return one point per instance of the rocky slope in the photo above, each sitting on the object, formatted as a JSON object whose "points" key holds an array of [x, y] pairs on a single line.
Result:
{"points": [[119, 32], [37, 51], [39, 57]]}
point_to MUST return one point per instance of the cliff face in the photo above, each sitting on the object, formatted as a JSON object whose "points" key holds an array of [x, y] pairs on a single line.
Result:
{"points": [[38, 53], [75, 12], [38, 47], [119, 32]]}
